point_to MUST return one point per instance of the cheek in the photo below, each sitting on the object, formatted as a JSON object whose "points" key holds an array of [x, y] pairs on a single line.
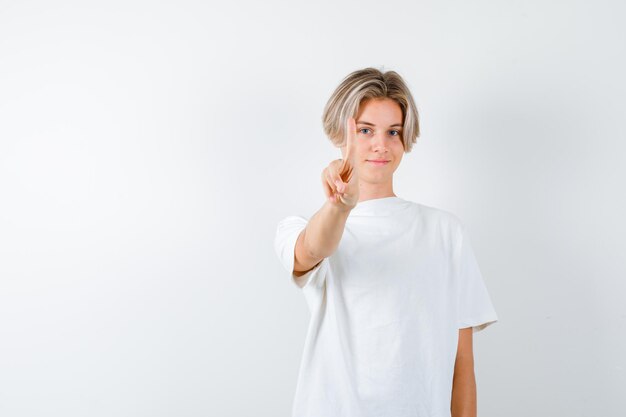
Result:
{"points": [[361, 152], [398, 154], [398, 149]]}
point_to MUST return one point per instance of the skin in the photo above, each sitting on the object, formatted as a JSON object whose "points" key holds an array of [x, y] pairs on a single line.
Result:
{"points": [[353, 179]]}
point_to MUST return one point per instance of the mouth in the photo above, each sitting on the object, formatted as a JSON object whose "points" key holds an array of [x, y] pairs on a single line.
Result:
{"points": [[378, 161]]}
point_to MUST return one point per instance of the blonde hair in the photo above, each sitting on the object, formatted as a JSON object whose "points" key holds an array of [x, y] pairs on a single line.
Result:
{"points": [[366, 84]]}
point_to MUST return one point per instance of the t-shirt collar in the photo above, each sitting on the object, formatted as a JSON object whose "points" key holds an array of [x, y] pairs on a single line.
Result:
{"points": [[378, 206]]}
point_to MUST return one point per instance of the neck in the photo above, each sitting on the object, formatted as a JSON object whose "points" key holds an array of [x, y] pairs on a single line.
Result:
{"points": [[368, 192]]}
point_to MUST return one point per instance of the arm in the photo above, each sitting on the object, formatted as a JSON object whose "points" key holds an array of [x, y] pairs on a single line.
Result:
{"points": [[464, 382], [322, 234], [320, 237]]}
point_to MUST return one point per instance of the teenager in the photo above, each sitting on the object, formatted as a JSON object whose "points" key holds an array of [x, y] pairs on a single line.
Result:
{"points": [[393, 286]]}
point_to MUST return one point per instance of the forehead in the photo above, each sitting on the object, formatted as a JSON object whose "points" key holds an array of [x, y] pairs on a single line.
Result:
{"points": [[380, 112]]}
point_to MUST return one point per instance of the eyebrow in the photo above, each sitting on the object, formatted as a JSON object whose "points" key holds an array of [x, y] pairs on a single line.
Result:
{"points": [[372, 124]]}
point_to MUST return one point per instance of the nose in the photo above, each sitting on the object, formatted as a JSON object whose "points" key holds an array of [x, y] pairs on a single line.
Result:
{"points": [[379, 143]]}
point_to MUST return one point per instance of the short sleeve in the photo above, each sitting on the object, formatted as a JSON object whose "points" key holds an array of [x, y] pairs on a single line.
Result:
{"points": [[474, 306], [287, 234]]}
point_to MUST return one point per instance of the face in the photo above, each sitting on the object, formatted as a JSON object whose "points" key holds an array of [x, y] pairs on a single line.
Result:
{"points": [[379, 137]]}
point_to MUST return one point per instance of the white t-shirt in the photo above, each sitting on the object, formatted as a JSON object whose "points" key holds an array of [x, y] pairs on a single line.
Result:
{"points": [[386, 308]]}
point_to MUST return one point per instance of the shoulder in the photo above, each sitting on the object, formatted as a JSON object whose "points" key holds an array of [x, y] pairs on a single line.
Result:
{"points": [[292, 220], [445, 219], [290, 225]]}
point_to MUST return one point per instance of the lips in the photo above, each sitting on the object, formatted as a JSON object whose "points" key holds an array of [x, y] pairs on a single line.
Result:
{"points": [[378, 162]]}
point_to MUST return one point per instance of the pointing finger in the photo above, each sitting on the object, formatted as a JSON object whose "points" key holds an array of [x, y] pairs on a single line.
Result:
{"points": [[350, 139]]}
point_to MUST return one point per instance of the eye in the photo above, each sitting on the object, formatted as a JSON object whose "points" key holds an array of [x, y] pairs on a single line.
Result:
{"points": [[397, 132], [363, 128]]}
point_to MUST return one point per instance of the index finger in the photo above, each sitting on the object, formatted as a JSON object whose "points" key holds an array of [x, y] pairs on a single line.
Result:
{"points": [[350, 139]]}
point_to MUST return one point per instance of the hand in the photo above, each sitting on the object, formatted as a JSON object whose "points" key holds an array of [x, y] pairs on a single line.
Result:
{"points": [[340, 178]]}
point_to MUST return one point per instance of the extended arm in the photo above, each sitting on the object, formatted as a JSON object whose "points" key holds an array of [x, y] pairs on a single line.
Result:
{"points": [[319, 238]]}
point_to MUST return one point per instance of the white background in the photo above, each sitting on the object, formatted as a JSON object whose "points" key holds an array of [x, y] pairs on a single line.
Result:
{"points": [[148, 149]]}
